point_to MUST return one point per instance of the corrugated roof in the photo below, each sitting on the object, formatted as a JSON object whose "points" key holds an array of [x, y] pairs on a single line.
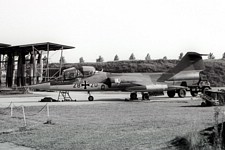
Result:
{"points": [[29, 47]]}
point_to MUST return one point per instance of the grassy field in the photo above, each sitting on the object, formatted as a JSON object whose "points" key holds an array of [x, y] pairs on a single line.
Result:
{"points": [[114, 125]]}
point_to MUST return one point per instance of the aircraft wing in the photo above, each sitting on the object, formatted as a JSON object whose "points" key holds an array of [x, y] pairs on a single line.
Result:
{"points": [[143, 87], [145, 84], [140, 83]]}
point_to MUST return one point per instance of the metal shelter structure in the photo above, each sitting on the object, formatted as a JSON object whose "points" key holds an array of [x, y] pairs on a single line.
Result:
{"points": [[34, 54]]}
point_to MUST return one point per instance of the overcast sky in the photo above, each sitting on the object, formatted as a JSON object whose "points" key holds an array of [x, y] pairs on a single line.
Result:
{"points": [[109, 27]]}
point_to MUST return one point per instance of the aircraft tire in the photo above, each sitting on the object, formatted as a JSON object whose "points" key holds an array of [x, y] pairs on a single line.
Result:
{"points": [[181, 93], [90, 98], [133, 96], [171, 94], [145, 96]]}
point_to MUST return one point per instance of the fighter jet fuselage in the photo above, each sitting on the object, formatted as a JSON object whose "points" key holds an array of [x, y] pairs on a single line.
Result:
{"points": [[88, 79]]}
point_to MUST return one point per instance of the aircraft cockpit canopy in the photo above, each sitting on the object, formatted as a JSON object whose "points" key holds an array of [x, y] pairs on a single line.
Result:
{"points": [[87, 71], [70, 73], [73, 73]]}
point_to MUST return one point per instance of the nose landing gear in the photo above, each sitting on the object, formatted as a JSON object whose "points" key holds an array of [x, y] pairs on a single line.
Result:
{"points": [[90, 98]]}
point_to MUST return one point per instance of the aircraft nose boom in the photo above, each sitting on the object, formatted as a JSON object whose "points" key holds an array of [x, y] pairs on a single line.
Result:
{"points": [[42, 86]]}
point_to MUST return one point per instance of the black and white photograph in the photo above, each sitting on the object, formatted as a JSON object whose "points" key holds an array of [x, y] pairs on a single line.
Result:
{"points": [[112, 75]]}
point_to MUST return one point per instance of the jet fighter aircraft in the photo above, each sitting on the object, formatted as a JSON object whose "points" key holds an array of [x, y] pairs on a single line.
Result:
{"points": [[88, 79]]}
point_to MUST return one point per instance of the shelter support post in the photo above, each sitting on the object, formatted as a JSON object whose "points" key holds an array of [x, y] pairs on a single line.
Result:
{"points": [[34, 66], [0, 70], [10, 69], [47, 71], [39, 68], [21, 70], [31, 69], [61, 61]]}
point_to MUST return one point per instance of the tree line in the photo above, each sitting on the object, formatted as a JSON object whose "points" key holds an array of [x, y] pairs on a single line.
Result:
{"points": [[132, 57], [147, 57]]}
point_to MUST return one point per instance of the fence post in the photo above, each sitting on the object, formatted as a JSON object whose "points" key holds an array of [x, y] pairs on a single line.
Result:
{"points": [[47, 111], [24, 117], [49, 121], [11, 106]]}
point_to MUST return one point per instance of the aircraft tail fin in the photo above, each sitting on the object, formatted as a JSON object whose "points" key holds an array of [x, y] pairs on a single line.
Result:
{"points": [[188, 68]]}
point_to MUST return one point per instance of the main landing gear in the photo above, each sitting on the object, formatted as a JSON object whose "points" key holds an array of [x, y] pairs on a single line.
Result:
{"points": [[181, 93], [133, 96], [145, 96]]}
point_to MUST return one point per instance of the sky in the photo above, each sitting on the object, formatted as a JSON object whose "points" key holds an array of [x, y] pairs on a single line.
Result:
{"points": [[109, 27]]}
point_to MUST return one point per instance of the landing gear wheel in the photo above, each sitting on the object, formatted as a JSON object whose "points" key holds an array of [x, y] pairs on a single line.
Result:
{"points": [[181, 93], [171, 94], [90, 98], [145, 96], [194, 93], [133, 96]]}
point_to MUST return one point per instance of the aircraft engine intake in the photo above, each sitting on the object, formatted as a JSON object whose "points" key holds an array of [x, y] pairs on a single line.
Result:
{"points": [[115, 80]]}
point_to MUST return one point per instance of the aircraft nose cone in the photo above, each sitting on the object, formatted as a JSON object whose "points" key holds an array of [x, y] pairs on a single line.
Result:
{"points": [[42, 86]]}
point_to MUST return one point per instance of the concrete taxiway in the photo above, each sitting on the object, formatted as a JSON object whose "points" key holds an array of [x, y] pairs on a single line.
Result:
{"points": [[33, 98]]}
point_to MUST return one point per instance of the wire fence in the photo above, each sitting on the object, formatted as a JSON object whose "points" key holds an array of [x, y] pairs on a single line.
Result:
{"points": [[31, 116]]}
